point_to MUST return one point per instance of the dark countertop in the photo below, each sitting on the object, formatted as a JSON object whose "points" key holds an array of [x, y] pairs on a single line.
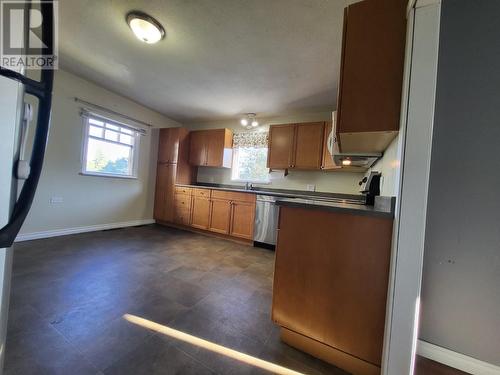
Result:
{"points": [[285, 193], [384, 206]]}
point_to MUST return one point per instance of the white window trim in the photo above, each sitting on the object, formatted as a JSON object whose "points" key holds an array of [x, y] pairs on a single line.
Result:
{"points": [[85, 140], [259, 182]]}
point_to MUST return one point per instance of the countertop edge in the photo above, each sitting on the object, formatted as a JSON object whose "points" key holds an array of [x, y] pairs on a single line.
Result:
{"points": [[373, 211]]}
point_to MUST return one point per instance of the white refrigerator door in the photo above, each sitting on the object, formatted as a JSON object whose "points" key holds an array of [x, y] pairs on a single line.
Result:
{"points": [[11, 105]]}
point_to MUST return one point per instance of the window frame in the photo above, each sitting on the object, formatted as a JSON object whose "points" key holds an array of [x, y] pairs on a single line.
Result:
{"points": [[233, 179], [86, 136]]}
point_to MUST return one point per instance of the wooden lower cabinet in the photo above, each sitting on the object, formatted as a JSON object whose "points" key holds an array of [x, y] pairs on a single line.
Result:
{"points": [[164, 195], [182, 209], [220, 215], [330, 284], [242, 219], [200, 212]]}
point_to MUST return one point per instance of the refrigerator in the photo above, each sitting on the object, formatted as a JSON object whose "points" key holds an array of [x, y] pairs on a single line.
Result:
{"points": [[19, 178]]}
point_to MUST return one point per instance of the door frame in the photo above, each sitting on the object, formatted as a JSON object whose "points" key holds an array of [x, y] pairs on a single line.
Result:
{"points": [[417, 121]]}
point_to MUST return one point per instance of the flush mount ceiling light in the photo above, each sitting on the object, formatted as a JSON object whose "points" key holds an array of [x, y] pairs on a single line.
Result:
{"points": [[145, 27], [249, 121]]}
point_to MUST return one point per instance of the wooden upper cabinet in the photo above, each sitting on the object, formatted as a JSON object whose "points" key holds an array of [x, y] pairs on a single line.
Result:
{"points": [[309, 145], [197, 148], [164, 195], [281, 146], [297, 146], [371, 75], [220, 215], [168, 147], [211, 148]]}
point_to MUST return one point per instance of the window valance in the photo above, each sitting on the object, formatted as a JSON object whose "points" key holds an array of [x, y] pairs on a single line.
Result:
{"points": [[251, 139]]}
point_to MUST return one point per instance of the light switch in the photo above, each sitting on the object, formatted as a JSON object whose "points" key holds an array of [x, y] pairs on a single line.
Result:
{"points": [[311, 187], [56, 200]]}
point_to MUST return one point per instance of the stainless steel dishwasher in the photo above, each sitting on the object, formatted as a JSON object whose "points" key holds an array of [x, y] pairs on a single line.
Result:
{"points": [[266, 220]]}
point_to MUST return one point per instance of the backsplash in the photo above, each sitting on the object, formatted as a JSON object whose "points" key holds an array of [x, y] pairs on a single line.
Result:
{"points": [[331, 182]]}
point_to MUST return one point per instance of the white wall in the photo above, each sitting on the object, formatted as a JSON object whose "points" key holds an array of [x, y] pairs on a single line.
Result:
{"points": [[389, 166], [90, 200], [460, 307], [328, 181]]}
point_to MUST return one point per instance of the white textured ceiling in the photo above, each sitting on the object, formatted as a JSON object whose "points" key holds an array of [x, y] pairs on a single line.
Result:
{"points": [[220, 58]]}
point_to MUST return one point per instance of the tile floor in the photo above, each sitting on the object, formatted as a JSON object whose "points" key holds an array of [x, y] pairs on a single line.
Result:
{"points": [[69, 295]]}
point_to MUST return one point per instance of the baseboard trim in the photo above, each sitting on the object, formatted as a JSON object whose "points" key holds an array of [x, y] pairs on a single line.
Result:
{"points": [[456, 360], [89, 228]]}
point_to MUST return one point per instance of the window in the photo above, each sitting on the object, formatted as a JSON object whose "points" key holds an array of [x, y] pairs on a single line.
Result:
{"points": [[110, 148], [250, 158]]}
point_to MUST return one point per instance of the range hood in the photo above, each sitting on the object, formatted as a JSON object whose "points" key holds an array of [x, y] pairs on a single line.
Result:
{"points": [[352, 159]]}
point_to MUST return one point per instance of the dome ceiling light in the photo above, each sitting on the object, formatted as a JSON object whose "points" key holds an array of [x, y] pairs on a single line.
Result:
{"points": [[249, 121], [145, 27]]}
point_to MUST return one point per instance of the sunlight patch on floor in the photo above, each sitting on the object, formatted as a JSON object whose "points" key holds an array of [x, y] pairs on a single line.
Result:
{"points": [[182, 336]]}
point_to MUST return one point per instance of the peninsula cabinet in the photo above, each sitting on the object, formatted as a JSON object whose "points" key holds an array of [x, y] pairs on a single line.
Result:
{"points": [[172, 168], [371, 75], [211, 148], [330, 285], [296, 146]]}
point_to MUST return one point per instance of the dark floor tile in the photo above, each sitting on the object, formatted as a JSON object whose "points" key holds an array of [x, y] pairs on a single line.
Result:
{"points": [[44, 351], [24, 319], [156, 356], [69, 295], [106, 344], [187, 273], [182, 292], [214, 332]]}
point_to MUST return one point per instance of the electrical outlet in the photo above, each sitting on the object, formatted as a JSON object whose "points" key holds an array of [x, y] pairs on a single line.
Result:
{"points": [[311, 187], [56, 200]]}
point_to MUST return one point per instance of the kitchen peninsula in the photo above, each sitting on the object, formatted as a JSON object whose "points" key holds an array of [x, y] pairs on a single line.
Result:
{"points": [[330, 281]]}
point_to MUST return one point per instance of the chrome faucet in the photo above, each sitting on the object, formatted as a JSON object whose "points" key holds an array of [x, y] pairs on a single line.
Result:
{"points": [[248, 186]]}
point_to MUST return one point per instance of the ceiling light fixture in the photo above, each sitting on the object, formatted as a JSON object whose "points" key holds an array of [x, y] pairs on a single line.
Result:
{"points": [[145, 27], [249, 121]]}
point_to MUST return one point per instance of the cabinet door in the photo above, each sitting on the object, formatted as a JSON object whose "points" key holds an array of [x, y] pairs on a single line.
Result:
{"points": [[372, 66], [214, 140], [164, 195], [200, 212], [220, 215], [330, 279], [197, 148], [281, 144], [308, 145], [168, 147], [242, 219], [219, 148]]}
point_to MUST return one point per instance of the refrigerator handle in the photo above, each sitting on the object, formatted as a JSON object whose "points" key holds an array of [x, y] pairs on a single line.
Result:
{"points": [[43, 91]]}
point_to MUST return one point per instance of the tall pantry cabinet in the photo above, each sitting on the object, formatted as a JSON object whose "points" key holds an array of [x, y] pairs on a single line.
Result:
{"points": [[172, 168]]}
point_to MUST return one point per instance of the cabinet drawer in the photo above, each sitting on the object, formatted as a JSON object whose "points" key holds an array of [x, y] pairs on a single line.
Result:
{"points": [[233, 196], [182, 216], [201, 193], [183, 190], [182, 201]]}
